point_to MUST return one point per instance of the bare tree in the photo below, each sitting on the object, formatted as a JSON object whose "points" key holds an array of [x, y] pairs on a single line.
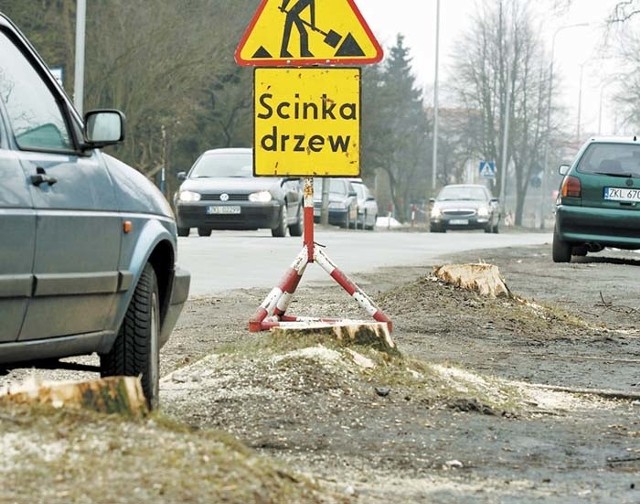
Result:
{"points": [[154, 60], [502, 54], [625, 10]]}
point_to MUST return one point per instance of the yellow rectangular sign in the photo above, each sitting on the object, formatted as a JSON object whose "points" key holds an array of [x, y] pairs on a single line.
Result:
{"points": [[307, 122]]}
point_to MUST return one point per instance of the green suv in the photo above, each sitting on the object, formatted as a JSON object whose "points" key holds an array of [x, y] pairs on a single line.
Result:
{"points": [[598, 203]]}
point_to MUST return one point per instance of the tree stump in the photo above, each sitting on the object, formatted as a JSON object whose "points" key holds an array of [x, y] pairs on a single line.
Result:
{"points": [[482, 278], [115, 394], [373, 334]]}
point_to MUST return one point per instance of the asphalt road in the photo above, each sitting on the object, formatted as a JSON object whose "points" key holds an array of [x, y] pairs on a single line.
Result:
{"points": [[244, 259]]}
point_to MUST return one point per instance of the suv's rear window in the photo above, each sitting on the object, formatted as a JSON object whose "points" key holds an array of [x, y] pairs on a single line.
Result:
{"points": [[611, 158]]}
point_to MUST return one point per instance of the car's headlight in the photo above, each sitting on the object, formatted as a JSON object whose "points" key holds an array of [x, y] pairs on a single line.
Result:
{"points": [[261, 197], [436, 212], [483, 211], [188, 196]]}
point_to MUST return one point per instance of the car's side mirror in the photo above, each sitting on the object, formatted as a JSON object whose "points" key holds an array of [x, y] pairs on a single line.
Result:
{"points": [[103, 127], [564, 169], [432, 200], [182, 175]]}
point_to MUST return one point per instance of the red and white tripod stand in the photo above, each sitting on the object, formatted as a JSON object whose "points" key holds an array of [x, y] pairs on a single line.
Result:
{"points": [[272, 311]]}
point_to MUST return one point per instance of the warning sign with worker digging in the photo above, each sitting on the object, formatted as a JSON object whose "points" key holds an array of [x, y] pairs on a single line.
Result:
{"points": [[307, 32]]}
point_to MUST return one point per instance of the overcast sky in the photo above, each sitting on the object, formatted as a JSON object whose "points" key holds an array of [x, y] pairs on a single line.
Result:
{"points": [[575, 48]]}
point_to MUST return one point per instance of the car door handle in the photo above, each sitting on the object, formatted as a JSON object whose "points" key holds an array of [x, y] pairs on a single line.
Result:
{"points": [[41, 177]]}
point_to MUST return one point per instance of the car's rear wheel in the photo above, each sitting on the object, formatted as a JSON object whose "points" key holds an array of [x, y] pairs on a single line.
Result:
{"points": [[560, 250], [183, 231], [204, 232], [136, 349], [297, 227], [280, 231]]}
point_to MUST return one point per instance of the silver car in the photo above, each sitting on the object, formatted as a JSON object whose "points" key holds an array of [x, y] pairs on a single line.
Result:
{"points": [[342, 201], [464, 206], [89, 244], [221, 192]]}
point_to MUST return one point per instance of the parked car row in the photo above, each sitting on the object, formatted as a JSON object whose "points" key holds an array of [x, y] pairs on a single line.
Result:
{"points": [[221, 192]]}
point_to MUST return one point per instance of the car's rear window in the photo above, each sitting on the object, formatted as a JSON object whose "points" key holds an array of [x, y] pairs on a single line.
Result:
{"points": [[611, 158], [223, 165]]}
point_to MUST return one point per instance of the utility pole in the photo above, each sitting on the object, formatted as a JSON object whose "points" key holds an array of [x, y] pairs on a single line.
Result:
{"points": [[78, 82], [505, 138]]}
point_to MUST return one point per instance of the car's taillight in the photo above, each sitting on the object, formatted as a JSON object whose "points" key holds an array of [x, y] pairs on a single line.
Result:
{"points": [[571, 187]]}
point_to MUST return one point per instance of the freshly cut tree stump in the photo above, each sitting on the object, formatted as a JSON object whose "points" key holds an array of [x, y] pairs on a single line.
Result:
{"points": [[115, 394], [482, 278], [373, 334]]}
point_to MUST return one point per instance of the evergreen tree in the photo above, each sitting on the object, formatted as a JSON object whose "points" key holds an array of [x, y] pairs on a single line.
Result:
{"points": [[396, 129]]}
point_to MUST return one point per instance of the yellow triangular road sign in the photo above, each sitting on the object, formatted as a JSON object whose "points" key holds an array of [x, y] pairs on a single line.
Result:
{"points": [[307, 32]]}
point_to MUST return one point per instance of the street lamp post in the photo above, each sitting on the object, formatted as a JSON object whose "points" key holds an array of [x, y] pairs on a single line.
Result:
{"points": [[548, 142], [505, 141], [78, 81], [434, 160]]}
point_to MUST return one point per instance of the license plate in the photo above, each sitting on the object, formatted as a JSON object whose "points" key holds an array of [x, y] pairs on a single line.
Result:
{"points": [[220, 209], [622, 194], [458, 222]]}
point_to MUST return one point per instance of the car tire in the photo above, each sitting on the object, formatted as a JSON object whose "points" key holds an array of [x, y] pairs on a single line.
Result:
{"points": [[280, 231], [204, 232], [136, 351], [183, 231], [560, 250], [372, 227], [297, 227], [496, 229]]}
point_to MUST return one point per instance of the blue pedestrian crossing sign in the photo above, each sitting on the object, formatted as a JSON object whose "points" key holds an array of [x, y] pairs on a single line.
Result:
{"points": [[488, 169]]}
